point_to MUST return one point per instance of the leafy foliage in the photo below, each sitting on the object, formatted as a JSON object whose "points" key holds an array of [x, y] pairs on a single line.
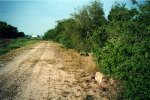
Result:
{"points": [[77, 31], [8, 31], [126, 54], [120, 44]]}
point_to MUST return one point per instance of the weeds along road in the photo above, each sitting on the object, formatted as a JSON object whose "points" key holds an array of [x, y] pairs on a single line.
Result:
{"points": [[46, 71]]}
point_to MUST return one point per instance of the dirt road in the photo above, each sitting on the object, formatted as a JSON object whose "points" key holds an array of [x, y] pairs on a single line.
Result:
{"points": [[46, 71]]}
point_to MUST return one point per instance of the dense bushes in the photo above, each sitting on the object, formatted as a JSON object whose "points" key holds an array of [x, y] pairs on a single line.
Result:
{"points": [[77, 31], [126, 57], [126, 54], [120, 44], [8, 31]]}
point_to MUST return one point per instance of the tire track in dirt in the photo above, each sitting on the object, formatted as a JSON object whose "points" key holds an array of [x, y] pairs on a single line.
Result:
{"points": [[11, 66], [48, 72], [12, 81], [35, 85]]}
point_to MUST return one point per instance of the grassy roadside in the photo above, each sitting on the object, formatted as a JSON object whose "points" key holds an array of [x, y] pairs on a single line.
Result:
{"points": [[6, 45]]}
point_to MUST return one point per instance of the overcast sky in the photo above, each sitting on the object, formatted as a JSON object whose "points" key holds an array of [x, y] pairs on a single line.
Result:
{"points": [[37, 16]]}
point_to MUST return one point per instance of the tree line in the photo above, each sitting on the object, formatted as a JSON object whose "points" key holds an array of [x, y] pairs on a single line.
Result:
{"points": [[120, 43], [8, 32]]}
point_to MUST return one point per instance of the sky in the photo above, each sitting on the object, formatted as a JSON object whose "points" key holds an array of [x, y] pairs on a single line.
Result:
{"points": [[38, 16]]}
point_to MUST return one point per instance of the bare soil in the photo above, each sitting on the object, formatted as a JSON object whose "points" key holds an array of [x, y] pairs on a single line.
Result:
{"points": [[47, 71]]}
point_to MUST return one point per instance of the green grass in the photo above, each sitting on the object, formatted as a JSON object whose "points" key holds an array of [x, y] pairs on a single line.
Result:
{"points": [[6, 45]]}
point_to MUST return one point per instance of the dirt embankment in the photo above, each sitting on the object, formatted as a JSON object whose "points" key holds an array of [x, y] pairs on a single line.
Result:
{"points": [[46, 71]]}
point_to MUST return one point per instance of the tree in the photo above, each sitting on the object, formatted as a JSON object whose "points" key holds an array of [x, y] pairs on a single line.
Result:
{"points": [[126, 53], [90, 18], [21, 34], [8, 31], [120, 13]]}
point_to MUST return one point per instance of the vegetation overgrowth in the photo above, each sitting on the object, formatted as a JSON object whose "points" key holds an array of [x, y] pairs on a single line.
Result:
{"points": [[6, 45], [119, 43]]}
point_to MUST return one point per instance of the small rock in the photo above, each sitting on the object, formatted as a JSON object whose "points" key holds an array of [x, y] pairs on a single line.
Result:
{"points": [[100, 78]]}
